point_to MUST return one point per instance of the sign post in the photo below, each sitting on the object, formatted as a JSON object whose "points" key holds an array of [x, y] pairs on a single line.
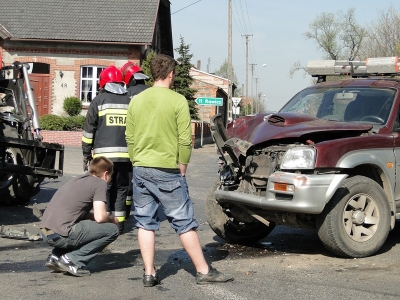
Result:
{"points": [[207, 101], [236, 101]]}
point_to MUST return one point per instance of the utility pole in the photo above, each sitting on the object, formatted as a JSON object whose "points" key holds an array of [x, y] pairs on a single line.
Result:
{"points": [[257, 93], [247, 67], [229, 58], [253, 110]]}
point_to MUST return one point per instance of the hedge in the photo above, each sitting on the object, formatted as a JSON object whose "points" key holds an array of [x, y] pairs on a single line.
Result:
{"points": [[58, 123]]}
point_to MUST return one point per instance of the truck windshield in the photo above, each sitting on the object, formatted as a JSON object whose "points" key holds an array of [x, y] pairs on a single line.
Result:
{"points": [[357, 104]]}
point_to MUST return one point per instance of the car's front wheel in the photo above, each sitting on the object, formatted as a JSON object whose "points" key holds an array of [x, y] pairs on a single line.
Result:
{"points": [[226, 226], [356, 221]]}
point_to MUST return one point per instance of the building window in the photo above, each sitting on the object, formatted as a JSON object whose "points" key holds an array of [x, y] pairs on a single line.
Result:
{"points": [[89, 82]]}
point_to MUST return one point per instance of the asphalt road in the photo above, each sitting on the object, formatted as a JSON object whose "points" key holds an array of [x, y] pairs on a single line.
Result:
{"points": [[288, 264]]}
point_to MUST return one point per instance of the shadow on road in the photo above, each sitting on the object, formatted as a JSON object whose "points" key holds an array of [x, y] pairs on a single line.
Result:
{"points": [[294, 241], [180, 260]]}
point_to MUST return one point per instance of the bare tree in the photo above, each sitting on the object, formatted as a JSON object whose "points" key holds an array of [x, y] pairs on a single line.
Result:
{"points": [[338, 36], [352, 36], [383, 38], [325, 32], [297, 66]]}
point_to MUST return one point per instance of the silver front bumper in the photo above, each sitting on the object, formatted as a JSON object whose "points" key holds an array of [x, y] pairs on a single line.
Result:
{"points": [[307, 193]]}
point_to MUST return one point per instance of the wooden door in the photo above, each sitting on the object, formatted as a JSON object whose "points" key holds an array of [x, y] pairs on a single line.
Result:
{"points": [[40, 84]]}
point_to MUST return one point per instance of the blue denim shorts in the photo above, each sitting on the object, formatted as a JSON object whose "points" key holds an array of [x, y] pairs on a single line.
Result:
{"points": [[154, 187]]}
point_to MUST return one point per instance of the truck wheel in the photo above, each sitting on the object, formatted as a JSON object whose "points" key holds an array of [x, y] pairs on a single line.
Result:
{"points": [[231, 230], [356, 221], [7, 178], [17, 189]]}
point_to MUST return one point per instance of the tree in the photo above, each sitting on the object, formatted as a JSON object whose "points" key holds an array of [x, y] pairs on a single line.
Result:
{"points": [[245, 110], [223, 72], [146, 68], [383, 38], [337, 37], [183, 80]]}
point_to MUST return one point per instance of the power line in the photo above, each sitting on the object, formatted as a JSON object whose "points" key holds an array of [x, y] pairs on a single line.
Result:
{"points": [[244, 20], [185, 7], [241, 28], [248, 18]]}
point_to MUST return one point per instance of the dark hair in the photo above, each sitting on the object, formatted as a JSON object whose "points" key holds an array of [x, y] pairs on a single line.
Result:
{"points": [[101, 164], [161, 65]]}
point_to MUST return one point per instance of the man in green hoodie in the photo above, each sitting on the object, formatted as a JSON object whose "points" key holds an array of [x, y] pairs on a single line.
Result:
{"points": [[159, 139]]}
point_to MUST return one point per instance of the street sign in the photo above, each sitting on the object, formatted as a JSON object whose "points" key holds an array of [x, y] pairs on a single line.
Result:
{"points": [[236, 101], [210, 101]]}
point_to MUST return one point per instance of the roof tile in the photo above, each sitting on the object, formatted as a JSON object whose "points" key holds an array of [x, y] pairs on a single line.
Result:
{"points": [[127, 21]]}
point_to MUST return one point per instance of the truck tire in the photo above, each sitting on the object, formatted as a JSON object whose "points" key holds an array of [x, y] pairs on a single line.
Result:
{"points": [[356, 221], [17, 189], [231, 230]]}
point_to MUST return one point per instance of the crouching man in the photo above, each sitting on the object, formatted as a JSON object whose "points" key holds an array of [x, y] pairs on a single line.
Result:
{"points": [[76, 222]]}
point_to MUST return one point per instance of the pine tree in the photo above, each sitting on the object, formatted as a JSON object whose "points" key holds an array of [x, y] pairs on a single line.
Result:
{"points": [[183, 80], [146, 68], [223, 72]]}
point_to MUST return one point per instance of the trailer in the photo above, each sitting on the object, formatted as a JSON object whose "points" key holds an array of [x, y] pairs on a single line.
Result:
{"points": [[25, 159]]}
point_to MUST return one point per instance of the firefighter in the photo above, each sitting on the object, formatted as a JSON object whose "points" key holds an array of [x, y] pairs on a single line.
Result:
{"points": [[134, 79], [104, 135]]}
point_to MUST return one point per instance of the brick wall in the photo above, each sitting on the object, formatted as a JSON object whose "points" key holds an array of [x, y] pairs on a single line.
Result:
{"points": [[67, 138], [74, 138]]}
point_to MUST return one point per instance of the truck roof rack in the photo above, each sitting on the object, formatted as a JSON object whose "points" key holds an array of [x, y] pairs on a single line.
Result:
{"points": [[377, 66]]}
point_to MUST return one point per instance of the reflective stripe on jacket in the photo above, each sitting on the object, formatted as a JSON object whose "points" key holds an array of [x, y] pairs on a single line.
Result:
{"points": [[104, 129]]}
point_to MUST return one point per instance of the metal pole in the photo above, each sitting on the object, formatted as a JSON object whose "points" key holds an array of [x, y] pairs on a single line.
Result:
{"points": [[252, 98], [247, 67], [257, 111], [230, 58], [31, 100], [202, 125]]}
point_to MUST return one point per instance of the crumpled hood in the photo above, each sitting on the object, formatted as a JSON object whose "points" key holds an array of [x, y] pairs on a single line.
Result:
{"points": [[264, 127]]}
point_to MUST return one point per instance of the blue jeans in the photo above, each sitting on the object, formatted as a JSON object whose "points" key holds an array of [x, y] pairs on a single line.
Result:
{"points": [[85, 240], [153, 187]]}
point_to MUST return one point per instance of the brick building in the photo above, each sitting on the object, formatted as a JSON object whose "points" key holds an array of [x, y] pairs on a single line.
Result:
{"points": [[210, 85], [68, 42]]}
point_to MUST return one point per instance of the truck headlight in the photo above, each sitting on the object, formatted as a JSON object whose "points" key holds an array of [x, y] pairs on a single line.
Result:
{"points": [[299, 158]]}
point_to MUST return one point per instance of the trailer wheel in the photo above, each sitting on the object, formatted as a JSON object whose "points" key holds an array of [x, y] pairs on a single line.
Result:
{"points": [[7, 178], [356, 221], [17, 189], [230, 229]]}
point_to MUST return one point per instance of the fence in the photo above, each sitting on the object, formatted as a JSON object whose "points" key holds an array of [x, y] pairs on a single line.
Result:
{"points": [[74, 138]]}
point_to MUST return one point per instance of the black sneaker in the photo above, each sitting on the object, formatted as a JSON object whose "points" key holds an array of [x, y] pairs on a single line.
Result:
{"points": [[51, 263], [150, 280], [213, 276], [68, 266]]}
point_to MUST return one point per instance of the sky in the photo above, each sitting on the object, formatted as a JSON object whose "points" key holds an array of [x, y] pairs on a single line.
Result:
{"points": [[275, 42]]}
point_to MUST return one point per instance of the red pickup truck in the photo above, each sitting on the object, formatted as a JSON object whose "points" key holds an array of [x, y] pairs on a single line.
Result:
{"points": [[328, 160]]}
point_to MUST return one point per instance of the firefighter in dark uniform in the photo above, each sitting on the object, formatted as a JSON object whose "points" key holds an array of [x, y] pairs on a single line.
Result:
{"points": [[104, 135], [134, 79]]}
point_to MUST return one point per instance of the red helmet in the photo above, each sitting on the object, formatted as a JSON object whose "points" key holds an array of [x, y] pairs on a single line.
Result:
{"points": [[128, 70], [110, 74]]}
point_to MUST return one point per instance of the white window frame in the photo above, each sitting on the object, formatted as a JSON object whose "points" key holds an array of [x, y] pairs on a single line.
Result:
{"points": [[93, 80]]}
